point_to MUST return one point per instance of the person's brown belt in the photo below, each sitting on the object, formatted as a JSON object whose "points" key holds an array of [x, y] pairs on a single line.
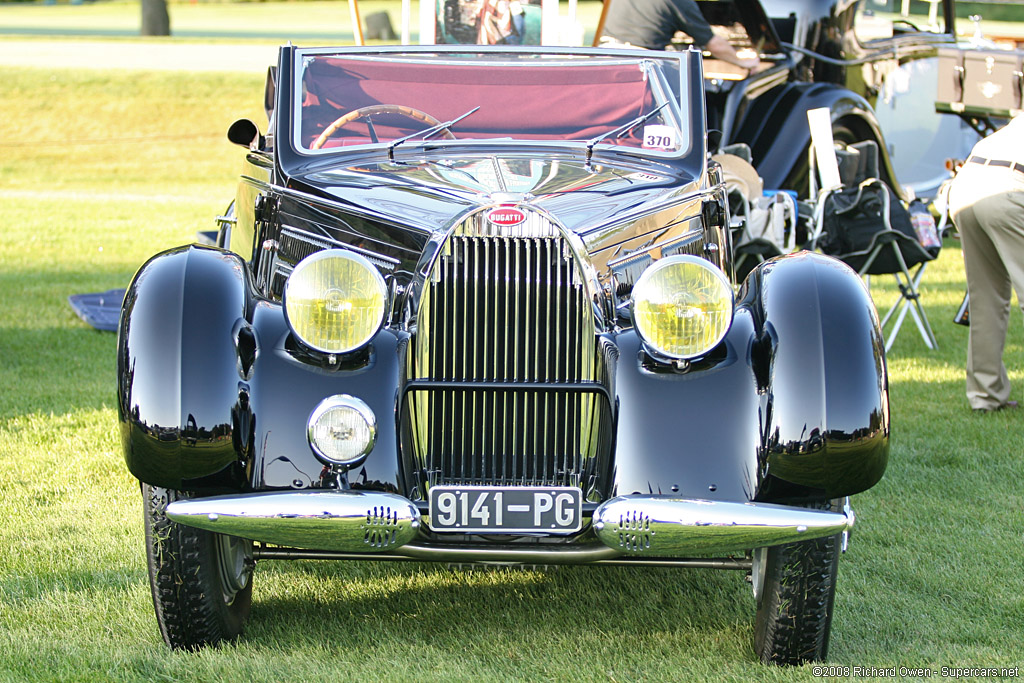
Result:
{"points": [[1012, 165]]}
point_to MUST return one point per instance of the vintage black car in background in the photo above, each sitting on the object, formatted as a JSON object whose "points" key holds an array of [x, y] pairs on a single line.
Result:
{"points": [[476, 305], [874, 63]]}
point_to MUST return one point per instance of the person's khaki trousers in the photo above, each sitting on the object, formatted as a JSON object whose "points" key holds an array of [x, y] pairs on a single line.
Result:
{"points": [[992, 236]]}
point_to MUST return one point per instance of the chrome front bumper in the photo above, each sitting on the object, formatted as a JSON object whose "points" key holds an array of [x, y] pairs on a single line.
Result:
{"points": [[351, 521], [675, 527], [370, 522]]}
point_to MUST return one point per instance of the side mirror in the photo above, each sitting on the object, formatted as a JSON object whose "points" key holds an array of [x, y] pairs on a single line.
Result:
{"points": [[270, 92], [247, 134]]}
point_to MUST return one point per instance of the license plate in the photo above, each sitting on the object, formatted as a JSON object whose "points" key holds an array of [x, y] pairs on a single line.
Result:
{"points": [[506, 509]]}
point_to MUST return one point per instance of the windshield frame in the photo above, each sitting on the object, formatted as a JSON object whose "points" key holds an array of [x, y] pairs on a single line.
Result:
{"points": [[660, 69]]}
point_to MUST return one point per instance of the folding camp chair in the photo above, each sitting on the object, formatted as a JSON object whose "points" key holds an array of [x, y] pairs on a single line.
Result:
{"points": [[861, 222], [868, 229]]}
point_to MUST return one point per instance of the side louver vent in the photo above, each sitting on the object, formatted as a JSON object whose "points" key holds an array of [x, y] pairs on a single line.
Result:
{"points": [[635, 532], [381, 527]]}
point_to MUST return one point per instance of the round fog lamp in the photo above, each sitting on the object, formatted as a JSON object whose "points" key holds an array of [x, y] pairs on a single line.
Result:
{"points": [[342, 430], [682, 306], [335, 301]]}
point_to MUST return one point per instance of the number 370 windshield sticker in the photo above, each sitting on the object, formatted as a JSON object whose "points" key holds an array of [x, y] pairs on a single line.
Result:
{"points": [[661, 137]]}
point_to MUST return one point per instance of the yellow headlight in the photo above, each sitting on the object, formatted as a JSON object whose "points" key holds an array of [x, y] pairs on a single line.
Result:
{"points": [[334, 301], [682, 306]]}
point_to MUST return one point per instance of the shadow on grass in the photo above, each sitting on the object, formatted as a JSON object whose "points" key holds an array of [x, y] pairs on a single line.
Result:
{"points": [[424, 605]]}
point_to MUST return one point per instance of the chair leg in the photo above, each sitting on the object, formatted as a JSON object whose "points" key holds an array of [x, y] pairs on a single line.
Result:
{"points": [[924, 328], [895, 306], [910, 300], [901, 305], [918, 312], [922, 323]]}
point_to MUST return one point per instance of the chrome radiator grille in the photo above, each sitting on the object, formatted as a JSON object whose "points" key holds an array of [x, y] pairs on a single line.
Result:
{"points": [[504, 380]]}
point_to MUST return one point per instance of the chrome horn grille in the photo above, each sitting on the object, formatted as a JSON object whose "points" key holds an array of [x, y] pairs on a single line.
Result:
{"points": [[505, 385]]}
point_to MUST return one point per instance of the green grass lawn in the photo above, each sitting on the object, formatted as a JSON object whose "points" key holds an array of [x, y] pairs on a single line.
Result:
{"points": [[98, 170], [322, 21], [314, 20], [302, 22]]}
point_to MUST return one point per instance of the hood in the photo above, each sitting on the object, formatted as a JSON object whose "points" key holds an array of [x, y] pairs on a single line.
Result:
{"points": [[431, 193], [748, 14]]}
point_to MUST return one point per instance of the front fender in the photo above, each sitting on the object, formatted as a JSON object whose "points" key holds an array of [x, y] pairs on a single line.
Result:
{"points": [[793, 407], [182, 398], [821, 362]]}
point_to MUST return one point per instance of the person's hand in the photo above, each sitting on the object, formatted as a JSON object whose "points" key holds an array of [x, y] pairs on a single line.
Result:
{"points": [[720, 48]]}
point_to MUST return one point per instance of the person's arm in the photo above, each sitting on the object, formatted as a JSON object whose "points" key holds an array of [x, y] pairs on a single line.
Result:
{"points": [[720, 48]]}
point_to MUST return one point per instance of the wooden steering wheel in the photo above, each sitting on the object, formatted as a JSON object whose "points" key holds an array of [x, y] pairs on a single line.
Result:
{"points": [[374, 110]]}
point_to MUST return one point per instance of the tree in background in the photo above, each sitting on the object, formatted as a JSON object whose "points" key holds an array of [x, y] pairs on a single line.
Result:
{"points": [[155, 19]]}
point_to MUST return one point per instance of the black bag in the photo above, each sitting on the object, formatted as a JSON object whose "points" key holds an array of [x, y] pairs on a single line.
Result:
{"points": [[854, 216]]}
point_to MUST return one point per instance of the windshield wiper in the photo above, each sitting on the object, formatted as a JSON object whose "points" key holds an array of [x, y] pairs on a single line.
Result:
{"points": [[427, 133], [624, 128]]}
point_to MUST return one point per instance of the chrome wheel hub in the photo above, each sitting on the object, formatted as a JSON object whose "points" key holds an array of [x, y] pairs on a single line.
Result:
{"points": [[234, 564]]}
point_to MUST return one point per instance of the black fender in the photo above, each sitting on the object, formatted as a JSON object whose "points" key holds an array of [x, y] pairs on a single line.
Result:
{"points": [[791, 407], [214, 394], [775, 127], [820, 360], [182, 397]]}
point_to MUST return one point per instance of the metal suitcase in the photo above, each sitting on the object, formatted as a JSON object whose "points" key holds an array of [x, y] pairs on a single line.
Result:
{"points": [[993, 82], [949, 95]]}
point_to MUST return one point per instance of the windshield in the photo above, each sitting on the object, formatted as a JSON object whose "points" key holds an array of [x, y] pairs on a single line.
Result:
{"points": [[404, 100]]}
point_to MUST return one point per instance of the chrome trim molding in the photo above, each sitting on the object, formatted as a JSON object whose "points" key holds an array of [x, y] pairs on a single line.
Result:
{"points": [[498, 556], [299, 244], [347, 521], [685, 196], [671, 527], [663, 249]]}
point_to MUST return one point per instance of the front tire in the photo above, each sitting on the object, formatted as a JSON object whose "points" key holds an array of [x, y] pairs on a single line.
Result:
{"points": [[201, 581], [795, 588]]}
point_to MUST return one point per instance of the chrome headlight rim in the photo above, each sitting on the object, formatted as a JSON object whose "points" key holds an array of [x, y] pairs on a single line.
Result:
{"points": [[342, 401], [654, 349], [314, 258]]}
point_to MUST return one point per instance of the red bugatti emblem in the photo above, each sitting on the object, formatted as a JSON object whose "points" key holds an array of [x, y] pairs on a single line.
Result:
{"points": [[506, 215]]}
